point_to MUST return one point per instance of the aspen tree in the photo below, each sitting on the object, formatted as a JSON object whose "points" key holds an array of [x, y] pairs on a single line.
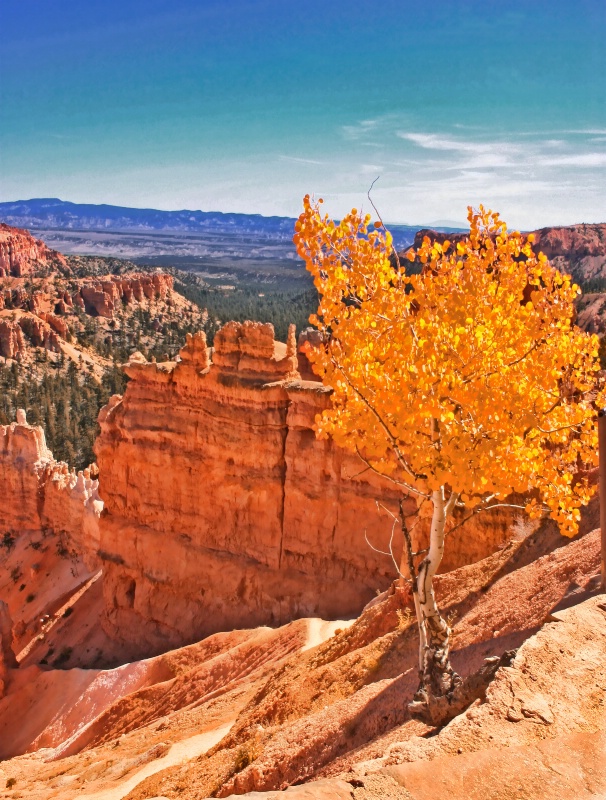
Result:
{"points": [[462, 385]]}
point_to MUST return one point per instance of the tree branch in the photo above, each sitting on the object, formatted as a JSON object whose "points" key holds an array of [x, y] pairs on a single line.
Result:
{"points": [[393, 480], [479, 509]]}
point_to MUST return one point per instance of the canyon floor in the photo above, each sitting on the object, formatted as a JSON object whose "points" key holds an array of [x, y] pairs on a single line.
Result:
{"points": [[320, 707]]}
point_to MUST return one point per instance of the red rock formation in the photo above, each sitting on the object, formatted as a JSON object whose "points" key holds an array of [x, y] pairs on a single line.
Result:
{"points": [[96, 301], [56, 323], [39, 332], [341, 708], [577, 249], [309, 339], [195, 354], [37, 492], [17, 328], [21, 254], [224, 510], [23, 454], [99, 297], [38, 303], [12, 341]]}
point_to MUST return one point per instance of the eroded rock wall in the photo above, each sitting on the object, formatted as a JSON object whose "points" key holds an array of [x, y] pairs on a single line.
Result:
{"points": [[38, 493], [224, 510], [21, 254], [101, 297]]}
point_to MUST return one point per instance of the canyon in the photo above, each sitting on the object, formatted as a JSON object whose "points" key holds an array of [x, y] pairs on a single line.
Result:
{"points": [[220, 506], [41, 296], [209, 609]]}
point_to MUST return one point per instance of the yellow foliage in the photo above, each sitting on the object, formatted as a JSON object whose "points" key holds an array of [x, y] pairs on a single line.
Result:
{"points": [[470, 375]]}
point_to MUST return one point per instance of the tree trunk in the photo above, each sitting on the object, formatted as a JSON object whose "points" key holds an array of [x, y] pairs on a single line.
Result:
{"points": [[438, 680]]}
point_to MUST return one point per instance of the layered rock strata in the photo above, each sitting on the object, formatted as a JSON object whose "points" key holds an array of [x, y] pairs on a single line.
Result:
{"points": [[223, 509], [38, 493], [577, 249], [7, 655], [100, 297], [21, 254]]}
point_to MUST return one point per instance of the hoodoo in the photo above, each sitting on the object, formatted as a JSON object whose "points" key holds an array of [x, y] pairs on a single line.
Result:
{"points": [[38, 493]]}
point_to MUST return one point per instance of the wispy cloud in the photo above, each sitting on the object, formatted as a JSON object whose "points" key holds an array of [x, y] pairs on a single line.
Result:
{"points": [[514, 151], [433, 141], [298, 160], [575, 160], [548, 177], [474, 154], [360, 130]]}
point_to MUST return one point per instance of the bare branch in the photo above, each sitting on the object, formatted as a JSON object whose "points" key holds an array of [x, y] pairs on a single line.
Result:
{"points": [[402, 484], [372, 547], [376, 210], [479, 509], [361, 472], [391, 514], [390, 553]]}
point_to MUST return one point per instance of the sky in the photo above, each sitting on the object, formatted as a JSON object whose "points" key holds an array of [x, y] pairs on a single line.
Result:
{"points": [[246, 106]]}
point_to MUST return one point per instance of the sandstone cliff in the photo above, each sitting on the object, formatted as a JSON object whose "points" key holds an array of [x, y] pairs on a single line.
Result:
{"points": [[12, 341], [49, 538], [21, 254], [223, 509], [99, 297], [38, 493], [579, 250]]}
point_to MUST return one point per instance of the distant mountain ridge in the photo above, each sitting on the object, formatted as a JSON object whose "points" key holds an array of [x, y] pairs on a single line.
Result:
{"points": [[63, 215], [55, 213]]}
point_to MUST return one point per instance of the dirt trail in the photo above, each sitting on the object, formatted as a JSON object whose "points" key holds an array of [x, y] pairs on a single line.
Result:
{"points": [[320, 630], [179, 753]]}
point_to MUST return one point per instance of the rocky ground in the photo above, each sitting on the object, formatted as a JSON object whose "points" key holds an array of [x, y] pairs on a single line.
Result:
{"points": [[325, 705]]}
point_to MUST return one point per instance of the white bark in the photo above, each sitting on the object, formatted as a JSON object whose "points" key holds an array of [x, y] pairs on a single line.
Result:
{"points": [[432, 561], [422, 636], [437, 676]]}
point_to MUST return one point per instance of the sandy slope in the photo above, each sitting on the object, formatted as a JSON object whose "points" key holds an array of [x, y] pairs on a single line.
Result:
{"points": [[154, 714], [257, 710], [184, 750], [345, 701]]}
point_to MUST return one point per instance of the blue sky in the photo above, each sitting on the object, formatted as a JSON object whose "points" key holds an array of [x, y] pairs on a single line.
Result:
{"points": [[246, 106]]}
